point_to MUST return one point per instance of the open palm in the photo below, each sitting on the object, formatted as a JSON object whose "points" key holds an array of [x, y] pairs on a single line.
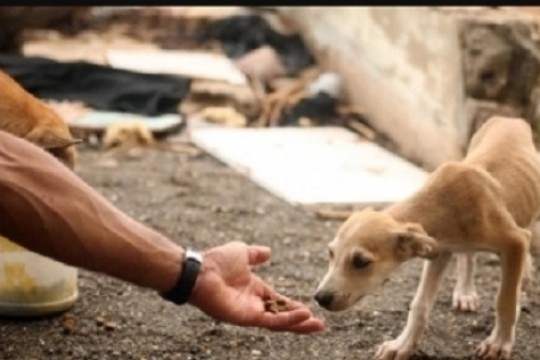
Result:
{"points": [[229, 291]]}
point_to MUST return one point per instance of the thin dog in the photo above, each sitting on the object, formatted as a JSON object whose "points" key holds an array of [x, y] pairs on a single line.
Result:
{"points": [[486, 202]]}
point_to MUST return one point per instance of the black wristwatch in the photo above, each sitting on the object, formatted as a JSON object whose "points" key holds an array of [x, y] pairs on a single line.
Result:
{"points": [[191, 267]]}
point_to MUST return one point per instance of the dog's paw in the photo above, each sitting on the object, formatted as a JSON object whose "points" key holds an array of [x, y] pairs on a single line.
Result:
{"points": [[490, 349], [465, 300], [395, 350]]}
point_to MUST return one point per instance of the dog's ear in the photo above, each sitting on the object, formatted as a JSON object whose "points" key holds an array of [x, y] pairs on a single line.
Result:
{"points": [[50, 140], [412, 241]]}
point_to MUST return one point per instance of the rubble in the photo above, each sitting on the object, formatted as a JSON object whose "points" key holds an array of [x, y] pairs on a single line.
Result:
{"points": [[16, 19], [241, 34], [127, 133], [224, 115], [239, 67], [415, 71], [262, 63]]}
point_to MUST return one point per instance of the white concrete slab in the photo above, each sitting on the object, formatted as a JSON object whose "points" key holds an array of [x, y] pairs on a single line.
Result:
{"points": [[312, 166], [194, 64]]}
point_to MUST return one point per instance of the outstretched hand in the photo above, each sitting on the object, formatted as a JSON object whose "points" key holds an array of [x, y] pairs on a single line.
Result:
{"points": [[229, 291]]}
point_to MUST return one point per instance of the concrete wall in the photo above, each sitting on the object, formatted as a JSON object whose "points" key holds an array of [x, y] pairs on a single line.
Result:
{"points": [[403, 67]]}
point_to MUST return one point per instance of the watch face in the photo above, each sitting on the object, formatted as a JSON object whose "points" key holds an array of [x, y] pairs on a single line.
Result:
{"points": [[194, 255]]}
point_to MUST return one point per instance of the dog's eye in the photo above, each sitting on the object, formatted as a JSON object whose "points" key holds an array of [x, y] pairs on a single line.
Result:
{"points": [[360, 262], [330, 253]]}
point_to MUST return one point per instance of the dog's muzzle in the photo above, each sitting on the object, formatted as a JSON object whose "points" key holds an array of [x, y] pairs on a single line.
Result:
{"points": [[324, 298]]}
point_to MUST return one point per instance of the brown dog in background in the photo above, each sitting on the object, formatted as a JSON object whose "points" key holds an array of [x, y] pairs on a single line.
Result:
{"points": [[24, 115], [487, 202]]}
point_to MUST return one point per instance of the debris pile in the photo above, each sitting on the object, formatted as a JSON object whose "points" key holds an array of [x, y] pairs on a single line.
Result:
{"points": [[240, 67]]}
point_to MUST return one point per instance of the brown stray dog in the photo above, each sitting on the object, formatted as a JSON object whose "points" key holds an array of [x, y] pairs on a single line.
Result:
{"points": [[24, 115], [487, 202]]}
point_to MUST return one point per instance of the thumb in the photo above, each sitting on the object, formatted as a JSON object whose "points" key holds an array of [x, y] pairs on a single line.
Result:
{"points": [[258, 254]]}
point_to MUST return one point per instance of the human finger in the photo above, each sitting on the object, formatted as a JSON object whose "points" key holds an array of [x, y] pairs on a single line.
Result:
{"points": [[283, 320], [258, 254], [310, 325]]}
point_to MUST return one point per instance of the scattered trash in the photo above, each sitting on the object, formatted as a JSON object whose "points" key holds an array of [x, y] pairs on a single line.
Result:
{"points": [[206, 93], [96, 123], [257, 83], [275, 102], [227, 116], [235, 66], [99, 87], [320, 109], [327, 82], [127, 134], [263, 63], [241, 34]]}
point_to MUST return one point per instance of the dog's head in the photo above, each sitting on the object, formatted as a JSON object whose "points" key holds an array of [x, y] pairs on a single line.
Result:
{"points": [[57, 141], [366, 249]]}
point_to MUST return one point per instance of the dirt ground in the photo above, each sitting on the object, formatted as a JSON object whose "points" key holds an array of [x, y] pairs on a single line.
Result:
{"points": [[199, 202]]}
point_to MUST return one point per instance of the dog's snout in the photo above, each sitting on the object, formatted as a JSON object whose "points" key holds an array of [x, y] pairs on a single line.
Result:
{"points": [[324, 298]]}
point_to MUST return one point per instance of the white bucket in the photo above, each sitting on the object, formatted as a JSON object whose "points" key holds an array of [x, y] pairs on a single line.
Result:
{"points": [[34, 285]]}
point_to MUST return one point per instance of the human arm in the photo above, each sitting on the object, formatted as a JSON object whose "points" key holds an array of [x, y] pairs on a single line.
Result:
{"points": [[48, 209]]}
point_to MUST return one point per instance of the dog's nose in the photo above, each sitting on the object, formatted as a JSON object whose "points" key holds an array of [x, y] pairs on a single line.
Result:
{"points": [[324, 298]]}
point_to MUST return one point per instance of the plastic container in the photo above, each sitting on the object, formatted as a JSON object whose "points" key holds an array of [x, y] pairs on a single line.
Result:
{"points": [[34, 285]]}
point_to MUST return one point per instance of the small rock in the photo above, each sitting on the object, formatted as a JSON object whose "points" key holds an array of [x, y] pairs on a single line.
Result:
{"points": [[256, 352], [110, 325], [100, 321]]}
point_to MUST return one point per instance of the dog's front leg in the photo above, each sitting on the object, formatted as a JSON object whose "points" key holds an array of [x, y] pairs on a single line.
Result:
{"points": [[465, 297], [407, 342], [501, 340]]}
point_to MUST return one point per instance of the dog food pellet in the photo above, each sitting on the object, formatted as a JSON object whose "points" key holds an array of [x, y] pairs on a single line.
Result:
{"points": [[275, 305], [69, 323]]}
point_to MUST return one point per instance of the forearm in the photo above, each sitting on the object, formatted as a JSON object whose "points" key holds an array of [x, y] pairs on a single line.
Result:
{"points": [[48, 209]]}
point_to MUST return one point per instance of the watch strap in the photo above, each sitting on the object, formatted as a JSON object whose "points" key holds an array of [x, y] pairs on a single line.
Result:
{"points": [[183, 288]]}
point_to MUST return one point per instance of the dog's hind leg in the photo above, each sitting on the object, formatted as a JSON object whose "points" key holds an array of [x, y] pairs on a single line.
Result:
{"points": [[528, 273], [528, 276], [500, 342], [465, 297]]}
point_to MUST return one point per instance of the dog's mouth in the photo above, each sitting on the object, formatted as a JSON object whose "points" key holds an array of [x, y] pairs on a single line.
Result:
{"points": [[340, 303]]}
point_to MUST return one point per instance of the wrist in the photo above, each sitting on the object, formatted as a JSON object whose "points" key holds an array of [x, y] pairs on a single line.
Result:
{"points": [[182, 290], [202, 289]]}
